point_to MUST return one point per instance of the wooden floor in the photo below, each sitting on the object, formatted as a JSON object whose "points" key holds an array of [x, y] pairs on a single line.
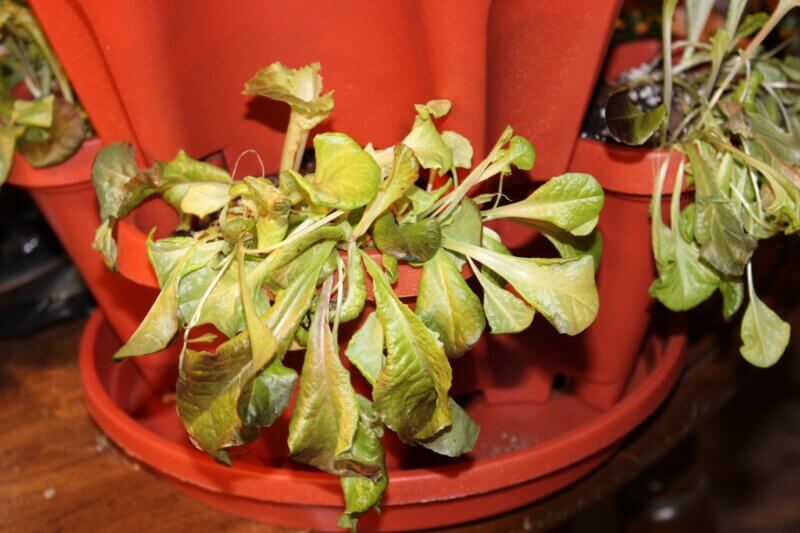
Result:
{"points": [[58, 472]]}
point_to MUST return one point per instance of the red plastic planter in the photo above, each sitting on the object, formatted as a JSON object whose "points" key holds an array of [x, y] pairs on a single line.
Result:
{"points": [[544, 59], [65, 195], [532, 64], [524, 452]]}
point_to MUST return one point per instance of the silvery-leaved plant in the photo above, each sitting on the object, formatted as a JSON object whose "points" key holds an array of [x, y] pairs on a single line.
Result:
{"points": [[276, 266], [730, 111], [47, 127]]}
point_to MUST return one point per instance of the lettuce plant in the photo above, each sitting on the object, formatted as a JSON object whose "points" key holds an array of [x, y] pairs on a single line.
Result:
{"points": [[729, 109], [49, 127], [276, 266]]}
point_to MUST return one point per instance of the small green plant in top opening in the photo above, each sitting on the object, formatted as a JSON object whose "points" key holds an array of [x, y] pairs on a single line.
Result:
{"points": [[276, 266], [44, 123], [730, 108]]}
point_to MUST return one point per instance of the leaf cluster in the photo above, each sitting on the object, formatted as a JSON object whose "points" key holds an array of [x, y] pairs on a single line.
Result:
{"points": [[47, 127], [731, 111], [276, 266]]}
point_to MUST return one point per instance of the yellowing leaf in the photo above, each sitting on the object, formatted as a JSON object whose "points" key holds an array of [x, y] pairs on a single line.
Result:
{"points": [[764, 335], [563, 290], [161, 323], [571, 202], [38, 113], [346, 176], [326, 414], [216, 392], [410, 392], [505, 312], [365, 348], [300, 88], [428, 146], [448, 306]]}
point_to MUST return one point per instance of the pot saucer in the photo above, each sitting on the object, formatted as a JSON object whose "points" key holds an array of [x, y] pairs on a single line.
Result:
{"points": [[524, 452]]}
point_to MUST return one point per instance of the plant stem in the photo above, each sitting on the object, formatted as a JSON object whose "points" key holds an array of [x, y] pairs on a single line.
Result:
{"points": [[295, 137], [668, 12]]}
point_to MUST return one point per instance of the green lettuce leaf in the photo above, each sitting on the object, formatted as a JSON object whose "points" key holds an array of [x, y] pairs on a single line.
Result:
{"points": [[415, 242], [216, 390], [448, 306], [365, 348], [571, 202], [765, 335], [563, 290], [326, 413], [346, 176], [362, 493], [505, 313], [410, 392]]}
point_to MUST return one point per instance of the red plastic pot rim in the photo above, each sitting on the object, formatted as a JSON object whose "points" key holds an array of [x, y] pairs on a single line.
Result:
{"points": [[317, 488], [74, 171], [625, 169]]}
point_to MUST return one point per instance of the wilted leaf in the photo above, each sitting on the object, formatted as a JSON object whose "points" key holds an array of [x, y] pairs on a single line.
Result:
{"points": [[325, 414], [37, 113], [683, 280], [416, 242], [365, 348], [779, 142], [356, 295], [410, 392], [403, 174], [346, 176], [272, 208], [719, 231], [214, 391], [160, 324], [563, 290], [205, 185], [505, 313], [457, 439], [428, 146], [460, 147], [764, 335], [571, 202], [627, 123], [519, 153], [448, 306], [119, 184], [435, 108], [67, 132], [164, 254], [300, 88], [732, 291], [361, 493]]}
